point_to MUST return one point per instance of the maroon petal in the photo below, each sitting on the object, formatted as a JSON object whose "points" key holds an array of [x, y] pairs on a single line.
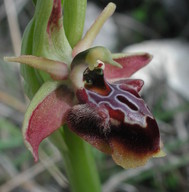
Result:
{"points": [[132, 145], [130, 64], [91, 124], [45, 114], [129, 144]]}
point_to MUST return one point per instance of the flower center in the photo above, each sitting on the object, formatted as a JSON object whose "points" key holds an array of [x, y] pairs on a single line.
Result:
{"points": [[118, 99]]}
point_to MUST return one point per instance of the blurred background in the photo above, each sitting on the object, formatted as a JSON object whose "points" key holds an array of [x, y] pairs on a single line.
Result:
{"points": [[160, 27]]}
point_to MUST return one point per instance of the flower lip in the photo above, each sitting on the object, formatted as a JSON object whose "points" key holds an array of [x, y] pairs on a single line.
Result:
{"points": [[127, 102]]}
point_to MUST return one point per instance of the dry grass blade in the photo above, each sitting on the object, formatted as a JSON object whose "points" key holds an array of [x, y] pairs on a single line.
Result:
{"points": [[53, 170], [11, 171], [13, 25], [30, 173], [116, 179], [12, 102]]}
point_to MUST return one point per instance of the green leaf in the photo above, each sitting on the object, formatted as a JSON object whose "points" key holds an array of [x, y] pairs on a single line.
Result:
{"points": [[32, 81]]}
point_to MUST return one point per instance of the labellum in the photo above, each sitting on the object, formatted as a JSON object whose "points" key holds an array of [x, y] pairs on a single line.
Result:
{"points": [[114, 119]]}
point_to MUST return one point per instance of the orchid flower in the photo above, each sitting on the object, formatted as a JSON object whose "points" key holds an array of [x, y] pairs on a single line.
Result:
{"points": [[91, 92]]}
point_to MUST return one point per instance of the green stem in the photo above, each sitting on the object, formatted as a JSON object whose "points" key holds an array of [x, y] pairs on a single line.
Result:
{"points": [[79, 161]]}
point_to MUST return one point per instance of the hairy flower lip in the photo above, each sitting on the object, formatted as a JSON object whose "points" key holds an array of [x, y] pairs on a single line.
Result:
{"points": [[131, 143], [133, 153]]}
